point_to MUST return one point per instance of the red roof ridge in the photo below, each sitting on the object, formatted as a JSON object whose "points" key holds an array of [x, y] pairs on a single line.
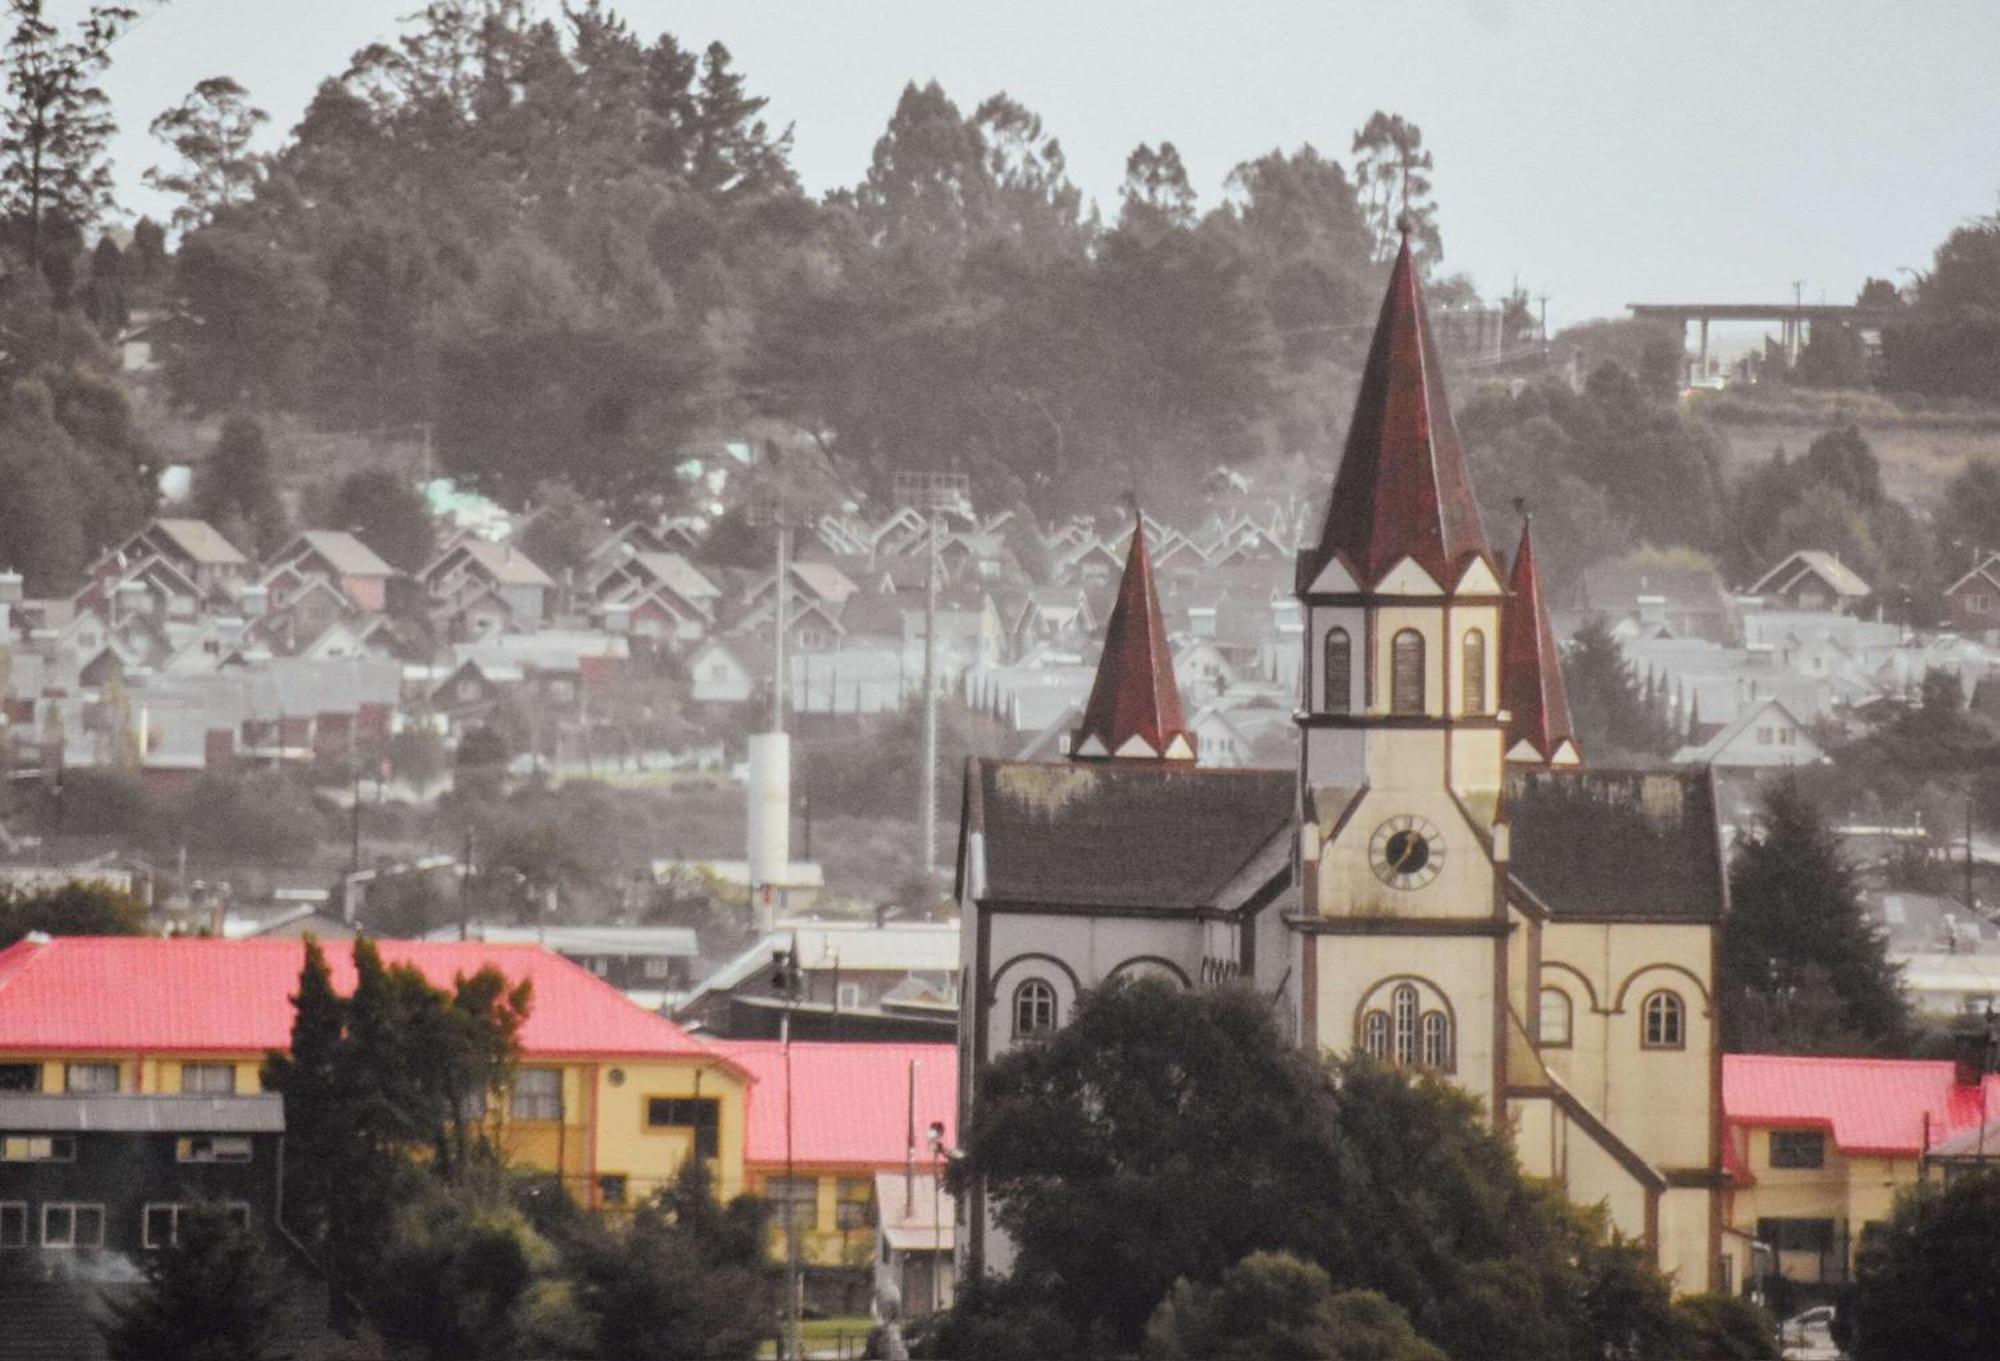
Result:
{"points": [[1135, 703], [1531, 678], [1402, 490]]}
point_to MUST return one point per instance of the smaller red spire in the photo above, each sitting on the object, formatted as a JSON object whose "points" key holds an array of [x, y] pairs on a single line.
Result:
{"points": [[1539, 731], [1135, 706]]}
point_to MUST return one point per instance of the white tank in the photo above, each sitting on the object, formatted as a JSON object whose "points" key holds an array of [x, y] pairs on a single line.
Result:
{"points": [[770, 848]]}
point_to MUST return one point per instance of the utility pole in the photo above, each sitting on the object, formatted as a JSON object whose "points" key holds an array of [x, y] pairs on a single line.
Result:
{"points": [[785, 979], [931, 494], [1543, 299]]}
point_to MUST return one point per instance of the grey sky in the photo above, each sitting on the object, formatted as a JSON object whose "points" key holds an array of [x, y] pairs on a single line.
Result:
{"points": [[1603, 151]]}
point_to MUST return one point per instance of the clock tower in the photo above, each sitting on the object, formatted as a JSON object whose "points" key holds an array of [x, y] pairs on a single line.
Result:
{"points": [[1402, 925]]}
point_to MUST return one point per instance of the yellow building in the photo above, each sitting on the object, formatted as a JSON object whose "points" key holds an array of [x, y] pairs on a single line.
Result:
{"points": [[612, 1097], [1819, 1149]]}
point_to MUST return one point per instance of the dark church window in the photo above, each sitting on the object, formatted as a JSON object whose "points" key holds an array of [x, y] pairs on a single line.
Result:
{"points": [[1475, 672], [1034, 1009], [1665, 1021], [1406, 673], [1339, 671]]}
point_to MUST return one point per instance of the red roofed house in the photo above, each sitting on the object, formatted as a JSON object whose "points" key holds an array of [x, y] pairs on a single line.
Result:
{"points": [[853, 1109], [614, 1097], [1818, 1149]]}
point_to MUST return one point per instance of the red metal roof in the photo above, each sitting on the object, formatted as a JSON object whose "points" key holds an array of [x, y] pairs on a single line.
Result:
{"points": [[1402, 490], [144, 995], [1531, 677], [1872, 1107], [850, 1101], [1134, 695]]}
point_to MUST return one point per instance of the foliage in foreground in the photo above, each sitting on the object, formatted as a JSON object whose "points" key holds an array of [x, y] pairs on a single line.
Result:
{"points": [[1927, 1286], [1099, 1148], [1273, 1307], [215, 1296]]}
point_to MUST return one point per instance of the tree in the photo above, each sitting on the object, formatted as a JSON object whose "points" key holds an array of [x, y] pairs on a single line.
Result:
{"points": [[1927, 1284], [1726, 1328], [1273, 1307], [56, 120], [385, 512], [562, 532], [1802, 971], [210, 131], [73, 909], [1393, 171], [237, 487], [215, 1295], [1097, 1148], [1156, 197], [313, 1079], [1968, 515], [1611, 710]]}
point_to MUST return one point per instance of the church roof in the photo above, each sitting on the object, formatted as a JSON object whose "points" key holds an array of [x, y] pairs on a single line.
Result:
{"points": [[1135, 703], [1531, 677], [1402, 489], [1153, 835], [1618, 844]]}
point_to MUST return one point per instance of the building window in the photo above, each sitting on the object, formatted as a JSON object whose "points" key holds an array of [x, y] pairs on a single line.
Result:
{"points": [[1406, 673], [793, 1200], [1475, 672], [20, 1077], [13, 1224], [209, 1079], [69, 1225], [1665, 1021], [854, 1204], [213, 1148], [1798, 1148], [1403, 1008], [612, 1188], [699, 1114], [160, 1226], [38, 1148], [90, 1077], [1375, 1035], [537, 1094], [1338, 680], [1437, 1042], [1034, 1009], [659, 968], [1797, 1235], [1556, 1018]]}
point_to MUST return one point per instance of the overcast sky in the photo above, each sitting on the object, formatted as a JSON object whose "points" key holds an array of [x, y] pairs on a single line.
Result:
{"points": [[1602, 151]]}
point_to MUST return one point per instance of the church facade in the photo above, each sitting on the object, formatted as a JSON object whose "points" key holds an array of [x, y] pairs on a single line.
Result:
{"points": [[1441, 883]]}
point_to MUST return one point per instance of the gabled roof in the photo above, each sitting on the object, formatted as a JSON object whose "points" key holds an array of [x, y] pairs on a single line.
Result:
{"points": [[201, 542], [1531, 677], [1402, 489], [502, 564], [1751, 713], [343, 552], [1135, 704], [1987, 572], [1842, 579], [144, 995], [678, 575], [1871, 1107], [1162, 835], [859, 1094], [1618, 844]]}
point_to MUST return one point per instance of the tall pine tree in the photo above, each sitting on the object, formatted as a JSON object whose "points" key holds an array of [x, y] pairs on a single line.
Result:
{"points": [[1802, 969]]}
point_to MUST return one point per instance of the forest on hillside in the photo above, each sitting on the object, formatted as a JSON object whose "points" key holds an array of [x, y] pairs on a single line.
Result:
{"points": [[571, 251]]}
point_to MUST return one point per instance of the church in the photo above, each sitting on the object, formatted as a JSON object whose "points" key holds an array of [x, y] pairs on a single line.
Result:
{"points": [[1441, 883]]}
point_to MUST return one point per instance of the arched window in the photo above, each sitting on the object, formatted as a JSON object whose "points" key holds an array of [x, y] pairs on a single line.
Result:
{"points": [[1034, 1009], [1475, 672], [1556, 1018], [1375, 1035], [1338, 678], [1406, 673], [1665, 1020], [1403, 1003], [1437, 1041]]}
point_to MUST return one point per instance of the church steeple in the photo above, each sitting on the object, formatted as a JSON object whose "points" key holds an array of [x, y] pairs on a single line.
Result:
{"points": [[1402, 490], [1539, 731], [1135, 705]]}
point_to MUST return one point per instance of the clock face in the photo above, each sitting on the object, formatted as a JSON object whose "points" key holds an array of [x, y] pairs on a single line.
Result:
{"points": [[1406, 852]]}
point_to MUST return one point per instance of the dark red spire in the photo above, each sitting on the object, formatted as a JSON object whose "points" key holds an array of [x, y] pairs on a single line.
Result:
{"points": [[1135, 706], [1402, 489], [1531, 678]]}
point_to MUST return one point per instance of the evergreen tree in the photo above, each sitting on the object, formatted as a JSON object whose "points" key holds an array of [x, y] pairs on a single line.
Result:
{"points": [[237, 490], [56, 120], [1927, 1286], [213, 1296], [1802, 971], [210, 131], [321, 1171], [1273, 1307], [385, 512], [1613, 713]]}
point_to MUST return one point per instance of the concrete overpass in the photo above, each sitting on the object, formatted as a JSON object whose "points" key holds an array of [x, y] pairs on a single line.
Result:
{"points": [[1795, 319]]}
